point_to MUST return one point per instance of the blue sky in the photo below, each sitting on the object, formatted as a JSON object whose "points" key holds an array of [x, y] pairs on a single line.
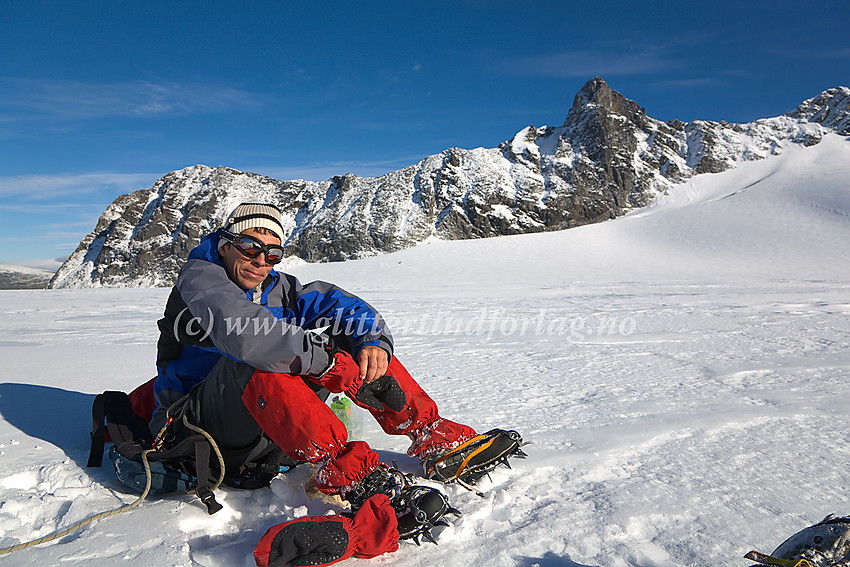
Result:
{"points": [[101, 98]]}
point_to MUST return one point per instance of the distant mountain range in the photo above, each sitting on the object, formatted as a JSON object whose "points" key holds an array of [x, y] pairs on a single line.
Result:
{"points": [[19, 277], [607, 158]]}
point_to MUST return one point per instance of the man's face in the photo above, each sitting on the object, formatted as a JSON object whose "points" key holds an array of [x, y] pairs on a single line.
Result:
{"points": [[246, 272]]}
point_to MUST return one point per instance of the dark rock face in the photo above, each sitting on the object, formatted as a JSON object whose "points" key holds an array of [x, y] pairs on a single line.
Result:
{"points": [[607, 158]]}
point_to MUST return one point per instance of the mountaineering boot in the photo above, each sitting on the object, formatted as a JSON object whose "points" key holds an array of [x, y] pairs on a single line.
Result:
{"points": [[385, 508], [471, 460]]}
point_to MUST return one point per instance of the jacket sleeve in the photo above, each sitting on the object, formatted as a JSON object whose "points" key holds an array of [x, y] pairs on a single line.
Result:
{"points": [[350, 321], [244, 330]]}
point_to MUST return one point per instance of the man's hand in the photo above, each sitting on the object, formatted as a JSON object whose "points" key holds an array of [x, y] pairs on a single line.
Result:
{"points": [[373, 362]]}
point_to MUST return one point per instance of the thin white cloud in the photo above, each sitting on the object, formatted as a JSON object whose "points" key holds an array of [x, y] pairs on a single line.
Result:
{"points": [[22, 99], [39, 187], [391, 125], [589, 63], [700, 82], [50, 236], [50, 264], [817, 53], [72, 228]]}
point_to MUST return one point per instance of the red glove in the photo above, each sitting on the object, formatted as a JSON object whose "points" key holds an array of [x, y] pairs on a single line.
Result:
{"points": [[323, 540], [342, 375]]}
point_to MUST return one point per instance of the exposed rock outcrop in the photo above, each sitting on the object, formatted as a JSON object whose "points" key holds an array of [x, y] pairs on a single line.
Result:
{"points": [[607, 158]]}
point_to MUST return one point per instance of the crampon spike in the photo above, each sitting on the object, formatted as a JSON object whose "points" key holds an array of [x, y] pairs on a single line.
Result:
{"points": [[427, 535], [470, 488], [476, 458]]}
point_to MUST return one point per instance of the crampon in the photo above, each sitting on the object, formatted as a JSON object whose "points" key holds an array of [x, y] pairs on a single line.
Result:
{"points": [[770, 560], [382, 480], [477, 457], [418, 508]]}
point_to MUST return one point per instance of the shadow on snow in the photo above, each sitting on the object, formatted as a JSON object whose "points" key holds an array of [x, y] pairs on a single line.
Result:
{"points": [[56, 416], [549, 560]]}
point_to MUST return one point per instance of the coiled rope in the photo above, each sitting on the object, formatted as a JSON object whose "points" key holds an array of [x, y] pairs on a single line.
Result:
{"points": [[65, 531], [62, 533]]}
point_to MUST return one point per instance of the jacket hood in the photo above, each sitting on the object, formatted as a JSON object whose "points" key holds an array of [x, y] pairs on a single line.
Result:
{"points": [[207, 249]]}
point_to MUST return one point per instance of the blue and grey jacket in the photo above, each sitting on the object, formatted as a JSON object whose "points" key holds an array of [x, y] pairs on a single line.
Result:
{"points": [[207, 316]]}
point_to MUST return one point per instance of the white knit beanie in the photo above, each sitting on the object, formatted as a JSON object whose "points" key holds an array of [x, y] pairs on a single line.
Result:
{"points": [[254, 215]]}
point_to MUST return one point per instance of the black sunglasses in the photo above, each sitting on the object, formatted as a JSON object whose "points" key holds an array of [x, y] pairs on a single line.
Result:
{"points": [[252, 247]]}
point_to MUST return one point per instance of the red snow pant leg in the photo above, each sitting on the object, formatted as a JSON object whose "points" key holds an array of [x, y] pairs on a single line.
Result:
{"points": [[305, 428], [419, 419], [323, 540]]}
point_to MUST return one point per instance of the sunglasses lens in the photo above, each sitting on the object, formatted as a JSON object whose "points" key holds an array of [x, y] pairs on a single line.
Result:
{"points": [[248, 247], [253, 248]]}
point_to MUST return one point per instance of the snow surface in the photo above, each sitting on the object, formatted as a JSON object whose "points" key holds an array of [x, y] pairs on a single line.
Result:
{"points": [[682, 371]]}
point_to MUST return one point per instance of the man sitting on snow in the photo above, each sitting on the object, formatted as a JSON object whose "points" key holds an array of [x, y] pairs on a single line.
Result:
{"points": [[239, 347]]}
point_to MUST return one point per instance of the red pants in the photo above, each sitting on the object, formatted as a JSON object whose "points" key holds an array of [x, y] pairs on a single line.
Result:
{"points": [[307, 429], [236, 404]]}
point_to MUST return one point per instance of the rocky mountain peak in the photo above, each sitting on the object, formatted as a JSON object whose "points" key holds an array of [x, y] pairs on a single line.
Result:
{"points": [[831, 109], [597, 96], [609, 157]]}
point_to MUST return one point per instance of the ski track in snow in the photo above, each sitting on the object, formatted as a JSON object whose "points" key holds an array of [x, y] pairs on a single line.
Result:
{"points": [[686, 396]]}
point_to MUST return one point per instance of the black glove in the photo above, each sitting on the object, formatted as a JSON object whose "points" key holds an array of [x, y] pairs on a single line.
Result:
{"points": [[381, 393], [308, 543]]}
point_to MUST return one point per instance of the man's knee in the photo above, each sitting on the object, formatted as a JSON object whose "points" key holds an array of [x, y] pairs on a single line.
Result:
{"points": [[292, 415]]}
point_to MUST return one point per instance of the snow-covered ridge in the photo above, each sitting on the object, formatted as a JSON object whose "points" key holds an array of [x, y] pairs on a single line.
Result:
{"points": [[23, 277], [608, 158]]}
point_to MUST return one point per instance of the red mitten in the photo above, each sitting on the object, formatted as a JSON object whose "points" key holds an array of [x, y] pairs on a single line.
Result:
{"points": [[374, 528], [324, 540], [343, 374], [143, 401]]}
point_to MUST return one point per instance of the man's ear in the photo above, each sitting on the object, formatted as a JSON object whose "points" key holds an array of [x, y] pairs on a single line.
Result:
{"points": [[222, 249]]}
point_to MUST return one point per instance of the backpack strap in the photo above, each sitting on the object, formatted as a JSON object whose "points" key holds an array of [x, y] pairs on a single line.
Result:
{"points": [[130, 436], [98, 431], [112, 413], [202, 468]]}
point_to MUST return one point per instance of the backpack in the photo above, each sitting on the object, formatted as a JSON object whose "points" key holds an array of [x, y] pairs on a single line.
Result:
{"points": [[178, 460]]}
